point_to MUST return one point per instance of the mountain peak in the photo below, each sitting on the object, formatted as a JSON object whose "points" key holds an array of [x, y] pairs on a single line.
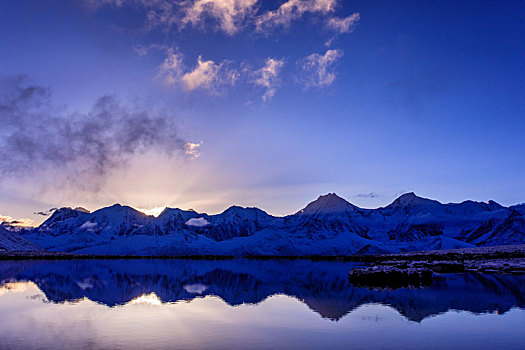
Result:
{"points": [[493, 205], [236, 210], [409, 198], [62, 214], [328, 203]]}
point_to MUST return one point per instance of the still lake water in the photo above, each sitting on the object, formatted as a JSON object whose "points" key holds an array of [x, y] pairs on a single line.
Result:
{"points": [[248, 304]]}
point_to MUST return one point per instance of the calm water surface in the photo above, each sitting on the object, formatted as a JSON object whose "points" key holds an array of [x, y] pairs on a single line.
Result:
{"points": [[229, 304]]}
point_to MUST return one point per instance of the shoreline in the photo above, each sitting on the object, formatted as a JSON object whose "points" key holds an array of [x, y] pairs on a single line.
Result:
{"points": [[421, 269]]}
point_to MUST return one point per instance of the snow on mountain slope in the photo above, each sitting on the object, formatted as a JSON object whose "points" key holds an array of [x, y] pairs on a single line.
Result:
{"points": [[410, 218], [69, 229], [119, 220], [173, 219], [12, 241], [326, 217], [327, 226], [520, 208], [235, 222]]}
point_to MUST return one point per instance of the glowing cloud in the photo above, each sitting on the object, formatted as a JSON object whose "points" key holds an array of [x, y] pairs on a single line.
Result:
{"points": [[209, 75], [147, 299], [206, 75], [193, 149], [15, 287], [153, 211], [230, 14], [292, 10], [24, 222]]}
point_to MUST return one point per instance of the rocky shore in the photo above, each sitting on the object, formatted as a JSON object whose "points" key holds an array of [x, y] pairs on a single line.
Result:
{"points": [[419, 269]]}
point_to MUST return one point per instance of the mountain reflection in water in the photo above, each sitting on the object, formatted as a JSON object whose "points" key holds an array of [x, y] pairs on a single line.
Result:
{"points": [[322, 286]]}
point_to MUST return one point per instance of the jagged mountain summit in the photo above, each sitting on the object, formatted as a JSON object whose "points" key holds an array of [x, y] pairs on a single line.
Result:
{"points": [[330, 225]]}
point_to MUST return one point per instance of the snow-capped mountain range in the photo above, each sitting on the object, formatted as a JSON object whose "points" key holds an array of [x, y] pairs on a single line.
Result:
{"points": [[329, 225]]}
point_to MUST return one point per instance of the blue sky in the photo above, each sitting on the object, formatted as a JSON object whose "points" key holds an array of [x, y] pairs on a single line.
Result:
{"points": [[272, 103]]}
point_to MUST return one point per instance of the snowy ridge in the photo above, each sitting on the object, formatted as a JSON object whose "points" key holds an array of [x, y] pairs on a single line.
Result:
{"points": [[329, 225], [12, 241]]}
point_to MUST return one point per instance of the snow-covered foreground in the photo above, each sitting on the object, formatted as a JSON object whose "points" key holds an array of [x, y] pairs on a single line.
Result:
{"points": [[328, 226]]}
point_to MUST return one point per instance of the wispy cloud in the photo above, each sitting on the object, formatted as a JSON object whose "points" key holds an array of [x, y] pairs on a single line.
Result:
{"points": [[209, 75], [292, 10], [35, 137], [206, 74], [141, 50], [227, 15], [230, 15], [171, 69], [267, 77], [367, 195], [46, 213], [94, 4], [343, 25], [319, 70]]}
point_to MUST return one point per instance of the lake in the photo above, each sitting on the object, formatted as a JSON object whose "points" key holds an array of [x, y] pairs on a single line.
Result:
{"points": [[241, 303]]}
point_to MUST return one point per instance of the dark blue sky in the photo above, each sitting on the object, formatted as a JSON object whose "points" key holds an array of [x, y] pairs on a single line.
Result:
{"points": [[289, 101]]}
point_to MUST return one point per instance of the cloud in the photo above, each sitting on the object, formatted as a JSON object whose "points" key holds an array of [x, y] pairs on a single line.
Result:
{"points": [[226, 15], [206, 75], [196, 288], [25, 222], [95, 4], [35, 137], [209, 75], [170, 70], [319, 69], [46, 213], [230, 14], [367, 195], [141, 50], [156, 211], [193, 149], [292, 10], [88, 225], [197, 222], [268, 76], [343, 25]]}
